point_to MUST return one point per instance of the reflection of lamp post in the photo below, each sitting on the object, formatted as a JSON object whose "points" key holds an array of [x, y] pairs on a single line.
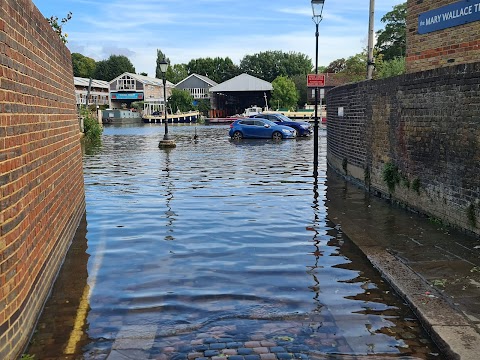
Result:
{"points": [[166, 141], [317, 8], [169, 214]]}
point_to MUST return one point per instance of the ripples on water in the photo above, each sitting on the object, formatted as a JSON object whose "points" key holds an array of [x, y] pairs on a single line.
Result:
{"points": [[232, 235]]}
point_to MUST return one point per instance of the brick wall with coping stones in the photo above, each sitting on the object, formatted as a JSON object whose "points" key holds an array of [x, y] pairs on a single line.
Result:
{"points": [[41, 178], [447, 47], [426, 123]]}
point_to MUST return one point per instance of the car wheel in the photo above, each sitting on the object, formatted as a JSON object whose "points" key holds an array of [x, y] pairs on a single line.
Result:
{"points": [[277, 136], [237, 135]]}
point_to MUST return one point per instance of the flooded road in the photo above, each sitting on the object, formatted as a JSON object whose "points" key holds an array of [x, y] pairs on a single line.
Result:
{"points": [[217, 245]]}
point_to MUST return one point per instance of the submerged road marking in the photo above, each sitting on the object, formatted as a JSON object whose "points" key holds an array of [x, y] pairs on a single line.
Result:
{"points": [[82, 311]]}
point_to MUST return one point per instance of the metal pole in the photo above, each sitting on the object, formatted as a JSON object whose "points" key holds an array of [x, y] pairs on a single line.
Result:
{"points": [[88, 92], [165, 137], [371, 63], [315, 127]]}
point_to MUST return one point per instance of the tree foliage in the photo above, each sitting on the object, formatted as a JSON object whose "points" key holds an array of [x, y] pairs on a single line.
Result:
{"points": [[160, 57], [284, 93], [116, 65], [180, 100], [271, 64], [302, 90], [91, 127], [394, 67], [336, 66], [203, 106], [391, 41], [177, 73], [217, 69], [83, 66], [356, 67]]}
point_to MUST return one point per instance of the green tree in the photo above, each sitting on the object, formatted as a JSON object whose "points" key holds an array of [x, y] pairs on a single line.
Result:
{"points": [[271, 64], [217, 69], [83, 66], [203, 106], [336, 66], [160, 57], [302, 90], [177, 73], [284, 93], [394, 67], [355, 68], [180, 100], [116, 65], [391, 41]]}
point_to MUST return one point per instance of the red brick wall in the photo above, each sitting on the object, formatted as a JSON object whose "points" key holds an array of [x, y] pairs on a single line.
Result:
{"points": [[452, 46], [41, 178]]}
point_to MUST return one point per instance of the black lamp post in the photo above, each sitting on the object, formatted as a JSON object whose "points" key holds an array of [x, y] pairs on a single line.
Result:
{"points": [[317, 8], [167, 141]]}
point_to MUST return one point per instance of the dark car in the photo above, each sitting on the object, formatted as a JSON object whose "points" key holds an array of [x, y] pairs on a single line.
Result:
{"points": [[303, 128], [250, 128]]}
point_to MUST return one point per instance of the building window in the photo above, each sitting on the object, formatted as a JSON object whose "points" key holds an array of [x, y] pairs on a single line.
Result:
{"points": [[126, 83]]}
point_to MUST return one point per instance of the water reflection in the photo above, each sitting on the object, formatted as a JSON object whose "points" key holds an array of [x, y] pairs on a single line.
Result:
{"points": [[254, 256], [316, 241], [61, 328], [169, 191]]}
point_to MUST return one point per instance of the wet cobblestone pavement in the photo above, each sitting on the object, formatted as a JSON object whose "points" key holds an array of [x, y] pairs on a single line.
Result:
{"points": [[272, 341]]}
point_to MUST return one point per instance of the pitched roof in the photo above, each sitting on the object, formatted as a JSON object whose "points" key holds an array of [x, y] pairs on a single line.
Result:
{"points": [[144, 79], [79, 81], [243, 82], [334, 79], [201, 77]]}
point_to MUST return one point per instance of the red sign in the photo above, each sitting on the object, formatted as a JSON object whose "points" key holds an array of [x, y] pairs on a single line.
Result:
{"points": [[315, 80]]}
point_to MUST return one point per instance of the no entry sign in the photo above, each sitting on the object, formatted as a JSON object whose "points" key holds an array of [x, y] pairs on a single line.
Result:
{"points": [[315, 80]]}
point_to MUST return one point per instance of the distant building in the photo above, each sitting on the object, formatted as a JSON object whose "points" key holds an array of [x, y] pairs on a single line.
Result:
{"points": [[239, 93], [99, 91], [197, 85], [128, 88], [331, 80]]}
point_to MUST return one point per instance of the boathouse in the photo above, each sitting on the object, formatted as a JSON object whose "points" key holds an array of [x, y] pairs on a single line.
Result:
{"points": [[235, 95], [128, 88]]}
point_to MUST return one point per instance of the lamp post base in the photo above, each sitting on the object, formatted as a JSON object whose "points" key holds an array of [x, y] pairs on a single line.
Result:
{"points": [[167, 143]]}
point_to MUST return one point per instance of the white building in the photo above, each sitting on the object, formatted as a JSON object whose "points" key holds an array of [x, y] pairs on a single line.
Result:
{"points": [[128, 88], [99, 91]]}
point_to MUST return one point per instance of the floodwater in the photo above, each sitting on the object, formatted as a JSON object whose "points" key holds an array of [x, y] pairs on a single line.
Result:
{"points": [[216, 242]]}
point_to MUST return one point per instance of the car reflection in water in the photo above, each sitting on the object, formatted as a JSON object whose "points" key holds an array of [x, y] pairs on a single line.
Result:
{"points": [[260, 129]]}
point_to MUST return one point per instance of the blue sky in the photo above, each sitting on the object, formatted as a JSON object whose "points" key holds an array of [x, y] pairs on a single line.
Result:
{"points": [[190, 29]]}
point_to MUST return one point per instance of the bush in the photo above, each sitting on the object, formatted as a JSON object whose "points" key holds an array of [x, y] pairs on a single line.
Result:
{"points": [[391, 68], [91, 128], [391, 176]]}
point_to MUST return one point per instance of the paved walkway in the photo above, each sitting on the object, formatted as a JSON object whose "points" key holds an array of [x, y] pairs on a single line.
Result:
{"points": [[435, 269]]}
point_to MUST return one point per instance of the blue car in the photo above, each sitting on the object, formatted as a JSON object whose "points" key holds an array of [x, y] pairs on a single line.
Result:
{"points": [[303, 128], [250, 128]]}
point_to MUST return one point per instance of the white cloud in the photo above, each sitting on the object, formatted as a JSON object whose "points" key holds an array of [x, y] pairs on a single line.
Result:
{"points": [[186, 29]]}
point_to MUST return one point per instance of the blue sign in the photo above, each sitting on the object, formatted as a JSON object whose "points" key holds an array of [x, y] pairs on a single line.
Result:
{"points": [[456, 14], [126, 96]]}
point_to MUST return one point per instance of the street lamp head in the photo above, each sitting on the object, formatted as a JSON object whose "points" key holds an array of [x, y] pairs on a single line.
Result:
{"points": [[163, 66], [317, 8]]}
